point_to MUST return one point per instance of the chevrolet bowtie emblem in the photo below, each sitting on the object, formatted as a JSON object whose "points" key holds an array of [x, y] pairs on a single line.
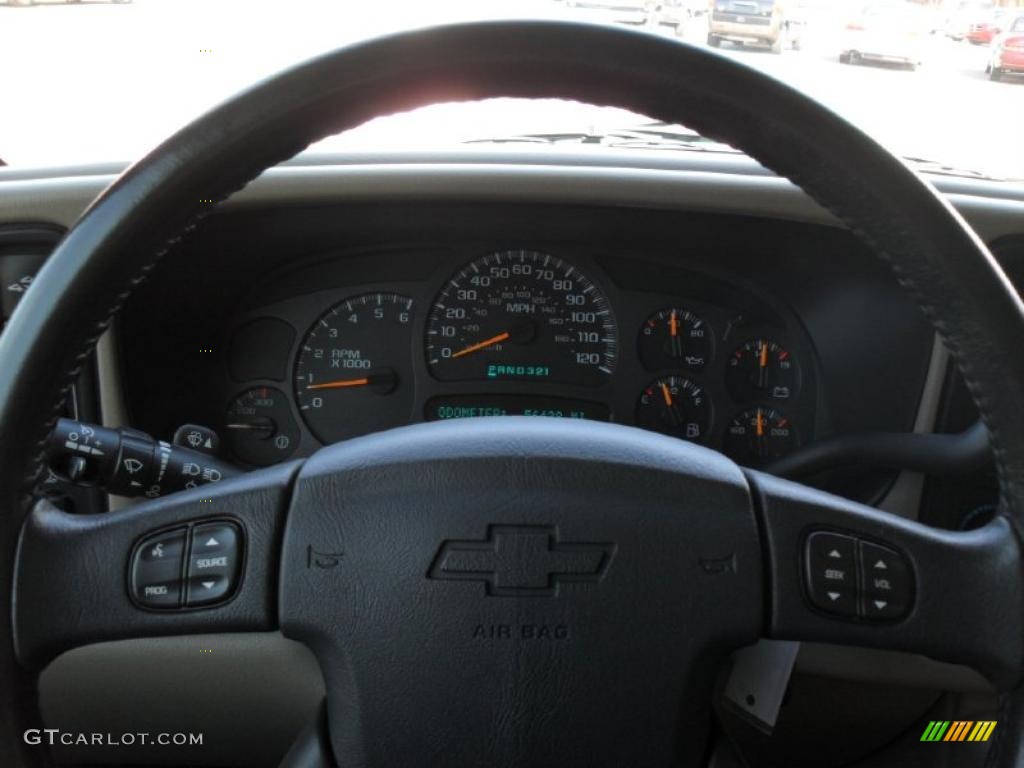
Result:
{"points": [[526, 560]]}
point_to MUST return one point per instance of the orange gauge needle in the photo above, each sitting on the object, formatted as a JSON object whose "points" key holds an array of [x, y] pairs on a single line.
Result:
{"points": [[764, 355], [673, 323], [666, 394], [341, 383], [383, 381], [760, 423], [483, 344]]}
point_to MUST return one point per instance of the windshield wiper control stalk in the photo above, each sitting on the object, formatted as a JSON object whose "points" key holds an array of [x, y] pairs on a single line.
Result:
{"points": [[127, 462]]}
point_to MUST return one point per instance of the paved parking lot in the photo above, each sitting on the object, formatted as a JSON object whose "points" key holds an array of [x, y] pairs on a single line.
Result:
{"points": [[107, 81]]}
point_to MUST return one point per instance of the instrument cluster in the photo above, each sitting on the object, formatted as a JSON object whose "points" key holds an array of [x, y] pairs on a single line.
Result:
{"points": [[526, 332]]}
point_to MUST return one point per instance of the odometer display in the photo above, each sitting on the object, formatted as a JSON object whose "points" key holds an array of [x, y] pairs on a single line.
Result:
{"points": [[473, 406], [522, 316]]}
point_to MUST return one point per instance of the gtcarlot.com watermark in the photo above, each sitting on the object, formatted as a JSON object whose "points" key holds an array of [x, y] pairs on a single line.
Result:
{"points": [[54, 736]]}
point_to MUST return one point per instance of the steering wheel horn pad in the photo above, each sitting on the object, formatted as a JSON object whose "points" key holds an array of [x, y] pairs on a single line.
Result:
{"points": [[503, 593], [636, 562]]}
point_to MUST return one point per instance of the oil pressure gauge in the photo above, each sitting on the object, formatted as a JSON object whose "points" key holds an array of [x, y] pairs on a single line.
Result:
{"points": [[675, 338]]}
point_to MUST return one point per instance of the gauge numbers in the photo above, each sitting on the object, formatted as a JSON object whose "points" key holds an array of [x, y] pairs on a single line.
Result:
{"points": [[759, 435], [353, 371], [522, 316]]}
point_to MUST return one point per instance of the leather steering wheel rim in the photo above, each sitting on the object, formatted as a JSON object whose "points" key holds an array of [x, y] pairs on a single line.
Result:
{"points": [[113, 246]]}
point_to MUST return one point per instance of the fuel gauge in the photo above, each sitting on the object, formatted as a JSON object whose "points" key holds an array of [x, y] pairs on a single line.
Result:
{"points": [[674, 406]]}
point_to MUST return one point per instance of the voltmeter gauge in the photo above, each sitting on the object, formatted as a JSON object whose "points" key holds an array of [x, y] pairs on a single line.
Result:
{"points": [[759, 435], [762, 369], [675, 338], [259, 427], [674, 406]]}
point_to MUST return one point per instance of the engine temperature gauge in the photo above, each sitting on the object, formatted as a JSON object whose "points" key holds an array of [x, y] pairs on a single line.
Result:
{"points": [[762, 369], [760, 435], [675, 338], [675, 406]]}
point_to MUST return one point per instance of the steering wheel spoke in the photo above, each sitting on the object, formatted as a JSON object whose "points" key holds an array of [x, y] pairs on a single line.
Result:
{"points": [[844, 573], [198, 561]]}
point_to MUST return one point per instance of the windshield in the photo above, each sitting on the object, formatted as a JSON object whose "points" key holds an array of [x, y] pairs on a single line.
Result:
{"points": [[939, 81]]}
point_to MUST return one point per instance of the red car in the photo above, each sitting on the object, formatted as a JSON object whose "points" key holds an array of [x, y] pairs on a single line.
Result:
{"points": [[984, 32], [1008, 51]]}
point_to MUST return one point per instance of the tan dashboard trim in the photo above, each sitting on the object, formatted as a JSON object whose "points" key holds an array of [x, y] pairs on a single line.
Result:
{"points": [[61, 199]]}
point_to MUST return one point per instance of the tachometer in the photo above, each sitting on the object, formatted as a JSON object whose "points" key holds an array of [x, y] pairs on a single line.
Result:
{"points": [[524, 316], [352, 375]]}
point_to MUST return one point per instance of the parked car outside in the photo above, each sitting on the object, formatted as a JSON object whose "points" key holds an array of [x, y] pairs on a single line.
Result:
{"points": [[886, 32], [960, 15], [984, 31], [635, 12], [680, 14], [1008, 51], [752, 22]]}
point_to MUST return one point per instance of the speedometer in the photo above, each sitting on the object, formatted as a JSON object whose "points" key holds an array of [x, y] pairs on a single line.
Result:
{"points": [[524, 316]]}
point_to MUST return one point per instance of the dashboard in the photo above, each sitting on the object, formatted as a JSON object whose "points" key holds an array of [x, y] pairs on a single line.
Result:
{"points": [[491, 331], [224, 320], [322, 324]]}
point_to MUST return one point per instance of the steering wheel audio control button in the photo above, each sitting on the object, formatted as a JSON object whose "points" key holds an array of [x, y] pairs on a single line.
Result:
{"points": [[156, 570], [831, 573], [214, 563], [886, 582], [850, 577]]}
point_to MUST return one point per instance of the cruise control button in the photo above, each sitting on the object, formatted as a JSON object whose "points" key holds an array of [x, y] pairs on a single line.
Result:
{"points": [[156, 570], [214, 563], [886, 582], [164, 548], [831, 572]]}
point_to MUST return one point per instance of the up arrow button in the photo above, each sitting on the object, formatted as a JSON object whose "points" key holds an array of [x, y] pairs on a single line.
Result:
{"points": [[212, 542]]}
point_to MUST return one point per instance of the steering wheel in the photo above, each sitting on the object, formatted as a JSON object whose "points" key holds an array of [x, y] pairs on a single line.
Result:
{"points": [[515, 591]]}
